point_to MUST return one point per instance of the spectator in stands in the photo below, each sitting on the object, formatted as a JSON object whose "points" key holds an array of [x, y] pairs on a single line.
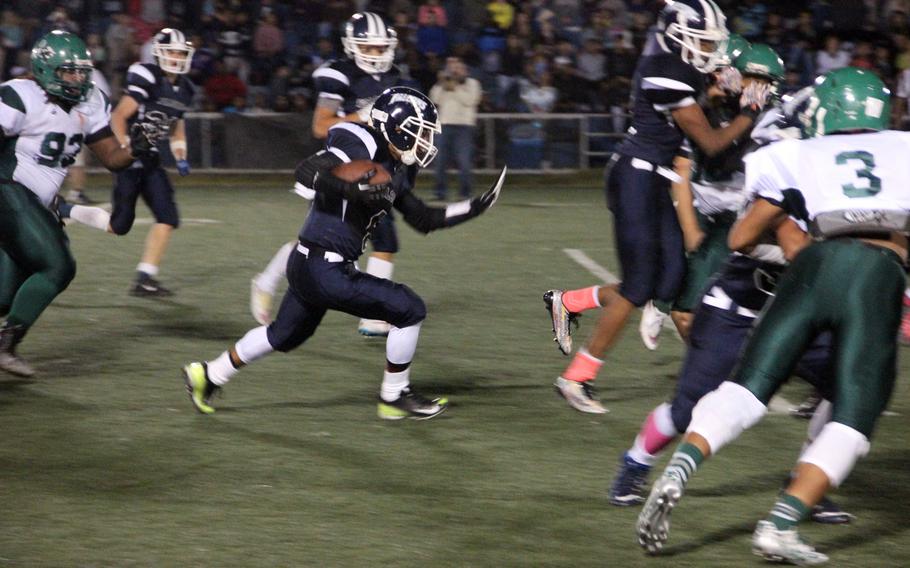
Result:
{"points": [[223, 86], [751, 20], [268, 41], [592, 70], [431, 37], [457, 97], [832, 57], [538, 93], [883, 67], [502, 12], [862, 55], [431, 7], [571, 88], [233, 40], [203, 64], [511, 67], [792, 81]]}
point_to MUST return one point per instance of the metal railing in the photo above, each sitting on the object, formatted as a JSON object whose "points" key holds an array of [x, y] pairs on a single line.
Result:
{"points": [[527, 143]]}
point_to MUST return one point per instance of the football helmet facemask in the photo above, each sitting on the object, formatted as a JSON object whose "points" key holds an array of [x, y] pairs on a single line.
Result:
{"points": [[408, 121], [368, 29]]}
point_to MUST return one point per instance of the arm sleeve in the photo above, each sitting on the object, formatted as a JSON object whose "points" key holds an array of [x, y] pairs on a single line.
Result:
{"points": [[350, 142], [670, 87], [766, 175], [12, 111], [97, 125], [331, 83], [140, 82]]}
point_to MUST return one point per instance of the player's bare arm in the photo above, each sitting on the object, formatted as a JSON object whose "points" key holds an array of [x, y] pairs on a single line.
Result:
{"points": [[684, 202], [693, 122], [125, 109], [760, 217], [112, 154], [326, 116]]}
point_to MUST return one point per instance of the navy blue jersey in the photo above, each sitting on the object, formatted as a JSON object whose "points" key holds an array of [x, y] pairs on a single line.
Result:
{"points": [[748, 281], [661, 84], [344, 226], [341, 80], [156, 96]]}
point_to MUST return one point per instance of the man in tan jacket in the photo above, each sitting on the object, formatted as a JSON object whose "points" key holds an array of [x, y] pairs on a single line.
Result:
{"points": [[457, 97]]}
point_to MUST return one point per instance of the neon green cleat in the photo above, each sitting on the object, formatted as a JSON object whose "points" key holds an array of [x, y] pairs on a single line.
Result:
{"points": [[199, 387], [409, 404]]}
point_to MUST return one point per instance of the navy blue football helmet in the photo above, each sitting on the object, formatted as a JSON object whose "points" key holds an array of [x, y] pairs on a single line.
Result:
{"points": [[696, 30], [369, 29], [408, 120]]}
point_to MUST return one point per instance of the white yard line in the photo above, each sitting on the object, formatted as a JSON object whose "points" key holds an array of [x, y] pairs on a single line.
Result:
{"points": [[591, 266]]}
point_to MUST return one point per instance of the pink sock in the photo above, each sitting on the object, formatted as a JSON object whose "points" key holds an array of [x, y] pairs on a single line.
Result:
{"points": [[656, 433], [580, 300], [584, 367]]}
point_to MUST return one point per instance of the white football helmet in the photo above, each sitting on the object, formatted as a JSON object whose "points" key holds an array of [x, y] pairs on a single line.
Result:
{"points": [[696, 30], [369, 29], [168, 40]]}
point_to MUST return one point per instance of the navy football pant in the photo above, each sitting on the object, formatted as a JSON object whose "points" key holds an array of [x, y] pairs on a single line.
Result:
{"points": [[385, 237], [648, 238], [717, 338], [316, 286], [156, 190]]}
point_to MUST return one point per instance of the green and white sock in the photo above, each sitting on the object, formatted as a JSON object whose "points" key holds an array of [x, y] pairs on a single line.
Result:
{"points": [[788, 512], [684, 462]]}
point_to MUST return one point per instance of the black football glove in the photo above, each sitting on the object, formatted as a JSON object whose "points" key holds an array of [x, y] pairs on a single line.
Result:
{"points": [[144, 141], [375, 196], [489, 197]]}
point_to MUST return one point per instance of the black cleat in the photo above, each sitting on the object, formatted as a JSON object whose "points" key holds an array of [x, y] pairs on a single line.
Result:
{"points": [[411, 405], [149, 288]]}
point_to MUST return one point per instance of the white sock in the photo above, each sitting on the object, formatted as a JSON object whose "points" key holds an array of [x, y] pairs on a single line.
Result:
{"points": [[401, 344], [147, 268], [380, 268], [221, 369], [95, 217], [254, 345], [393, 384], [274, 273]]}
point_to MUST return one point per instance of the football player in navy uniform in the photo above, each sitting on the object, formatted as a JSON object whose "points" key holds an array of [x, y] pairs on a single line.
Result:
{"points": [[157, 94], [688, 43], [321, 271], [347, 89]]}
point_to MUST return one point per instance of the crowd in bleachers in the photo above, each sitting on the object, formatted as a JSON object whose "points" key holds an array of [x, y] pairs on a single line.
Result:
{"points": [[530, 55]]}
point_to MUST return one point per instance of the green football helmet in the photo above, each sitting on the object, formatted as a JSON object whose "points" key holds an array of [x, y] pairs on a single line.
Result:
{"points": [[736, 44], [847, 100], [55, 53], [759, 60]]}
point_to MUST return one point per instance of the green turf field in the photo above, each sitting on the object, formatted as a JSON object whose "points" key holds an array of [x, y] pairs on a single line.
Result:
{"points": [[104, 462]]}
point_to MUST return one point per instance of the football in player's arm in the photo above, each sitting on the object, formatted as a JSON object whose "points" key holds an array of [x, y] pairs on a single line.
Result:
{"points": [[45, 120], [321, 271]]}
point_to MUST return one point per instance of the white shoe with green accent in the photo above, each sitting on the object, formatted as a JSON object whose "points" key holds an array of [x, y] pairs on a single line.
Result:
{"points": [[199, 387], [777, 545], [374, 328]]}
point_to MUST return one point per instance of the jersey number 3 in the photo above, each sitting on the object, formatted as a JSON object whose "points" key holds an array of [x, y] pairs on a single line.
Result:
{"points": [[53, 147], [868, 160]]}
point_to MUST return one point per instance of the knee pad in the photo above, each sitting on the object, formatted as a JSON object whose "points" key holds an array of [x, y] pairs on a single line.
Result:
{"points": [[401, 344], [836, 450], [121, 223], [722, 415]]}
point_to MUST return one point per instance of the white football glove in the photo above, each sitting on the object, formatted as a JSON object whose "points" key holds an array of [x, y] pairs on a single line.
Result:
{"points": [[363, 114], [755, 97], [730, 80]]}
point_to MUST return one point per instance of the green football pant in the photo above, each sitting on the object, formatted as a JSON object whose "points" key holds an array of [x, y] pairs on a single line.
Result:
{"points": [[35, 260], [853, 289]]}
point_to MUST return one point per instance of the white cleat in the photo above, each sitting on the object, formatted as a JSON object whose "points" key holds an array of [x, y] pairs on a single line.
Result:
{"points": [[652, 322], [562, 320], [580, 395], [654, 520], [374, 328], [777, 545], [260, 302]]}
